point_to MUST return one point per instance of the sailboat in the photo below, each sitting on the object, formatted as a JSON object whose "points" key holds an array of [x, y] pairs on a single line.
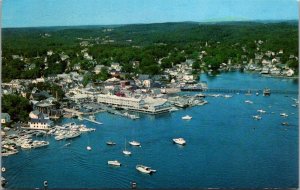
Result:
{"points": [[126, 152], [89, 147]]}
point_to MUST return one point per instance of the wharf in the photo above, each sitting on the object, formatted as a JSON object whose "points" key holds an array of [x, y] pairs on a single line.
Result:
{"points": [[93, 121], [242, 91]]}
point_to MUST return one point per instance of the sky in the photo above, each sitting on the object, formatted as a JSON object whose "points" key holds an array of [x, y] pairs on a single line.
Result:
{"points": [[35, 13]]}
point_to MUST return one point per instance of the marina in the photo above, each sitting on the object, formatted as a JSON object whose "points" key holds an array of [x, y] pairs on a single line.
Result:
{"points": [[217, 140]]}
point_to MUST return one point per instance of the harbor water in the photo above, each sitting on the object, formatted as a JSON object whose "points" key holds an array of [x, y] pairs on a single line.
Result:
{"points": [[225, 146]]}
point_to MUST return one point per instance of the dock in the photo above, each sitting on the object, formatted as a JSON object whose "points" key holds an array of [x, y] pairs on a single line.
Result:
{"points": [[242, 91], [93, 121]]}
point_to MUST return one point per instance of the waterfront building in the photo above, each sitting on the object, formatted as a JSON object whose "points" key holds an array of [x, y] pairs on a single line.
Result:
{"points": [[146, 105], [42, 122]]}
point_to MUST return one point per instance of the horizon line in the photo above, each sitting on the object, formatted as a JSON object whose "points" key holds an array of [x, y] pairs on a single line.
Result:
{"points": [[199, 22]]}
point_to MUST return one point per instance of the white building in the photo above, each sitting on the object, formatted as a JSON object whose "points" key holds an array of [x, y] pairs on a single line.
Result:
{"points": [[148, 105], [42, 122]]}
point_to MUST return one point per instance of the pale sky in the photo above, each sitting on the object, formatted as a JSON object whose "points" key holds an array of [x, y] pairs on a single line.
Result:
{"points": [[28, 13]]}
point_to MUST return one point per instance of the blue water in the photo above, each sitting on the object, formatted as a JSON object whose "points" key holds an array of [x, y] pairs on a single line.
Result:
{"points": [[225, 146]]}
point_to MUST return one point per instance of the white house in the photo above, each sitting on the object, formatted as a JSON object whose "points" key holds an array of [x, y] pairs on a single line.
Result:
{"points": [[42, 122]]}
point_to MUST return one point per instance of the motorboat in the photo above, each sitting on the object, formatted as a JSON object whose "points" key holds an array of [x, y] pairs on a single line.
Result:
{"points": [[285, 123], [134, 143], [110, 143], [256, 117], [114, 163], [126, 152], [187, 117], [59, 137], [26, 146], [72, 135], [144, 169], [173, 109], [261, 111], [227, 96], [89, 148], [179, 141], [284, 115], [37, 144], [8, 153], [248, 102]]}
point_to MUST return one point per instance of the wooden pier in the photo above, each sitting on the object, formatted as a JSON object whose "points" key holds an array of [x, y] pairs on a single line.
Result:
{"points": [[93, 121], [241, 91]]}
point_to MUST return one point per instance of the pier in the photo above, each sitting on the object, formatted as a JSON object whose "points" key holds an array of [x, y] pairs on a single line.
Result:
{"points": [[241, 91], [93, 121]]}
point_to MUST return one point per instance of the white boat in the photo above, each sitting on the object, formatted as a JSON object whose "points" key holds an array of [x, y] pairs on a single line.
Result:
{"points": [[126, 152], [173, 109], [67, 144], [248, 102], [59, 137], [114, 163], [179, 141], [144, 169], [187, 117], [111, 143], [261, 111], [227, 96], [80, 117], [284, 115], [26, 146], [37, 144], [134, 143], [89, 148], [256, 117]]}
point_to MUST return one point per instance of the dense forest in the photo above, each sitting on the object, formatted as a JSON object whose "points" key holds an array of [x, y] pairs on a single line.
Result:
{"points": [[171, 43]]}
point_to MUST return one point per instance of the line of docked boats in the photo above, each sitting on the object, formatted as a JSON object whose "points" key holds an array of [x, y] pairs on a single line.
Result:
{"points": [[23, 139], [69, 131]]}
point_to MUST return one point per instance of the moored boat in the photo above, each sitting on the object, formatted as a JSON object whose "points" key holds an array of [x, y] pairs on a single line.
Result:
{"points": [[134, 143], [111, 143], [284, 115], [187, 117], [114, 163], [144, 169], [179, 141], [256, 117]]}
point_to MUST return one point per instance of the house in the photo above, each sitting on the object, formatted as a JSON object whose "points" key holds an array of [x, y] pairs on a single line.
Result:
{"points": [[87, 56], [44, 106], [76, 67], [5, 118], [98, 68], [116, 66], [42, 122], [64, 57]]}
